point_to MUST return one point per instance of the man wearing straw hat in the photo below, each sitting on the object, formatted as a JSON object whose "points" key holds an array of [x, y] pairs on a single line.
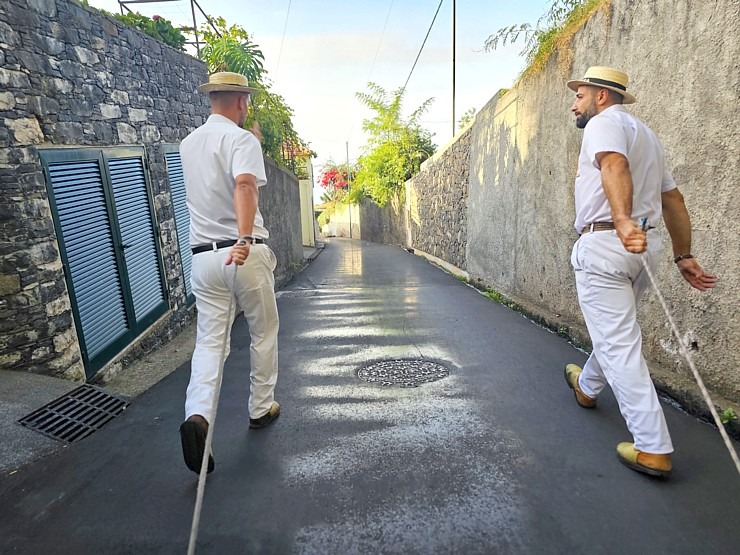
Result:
{"points": [[622, 180], [223, 170]]}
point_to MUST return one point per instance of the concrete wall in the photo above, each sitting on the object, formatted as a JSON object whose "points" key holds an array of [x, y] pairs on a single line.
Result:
{"points": [[345, 222], [72, 77], [681, 56]]}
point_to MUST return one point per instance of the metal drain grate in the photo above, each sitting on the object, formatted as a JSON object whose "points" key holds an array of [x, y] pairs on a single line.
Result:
{"points": [[75, 415], [403, 373]]}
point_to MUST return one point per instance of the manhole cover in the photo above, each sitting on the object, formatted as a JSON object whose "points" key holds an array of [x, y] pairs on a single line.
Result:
{"points": [[403, 373], [75, 415]]}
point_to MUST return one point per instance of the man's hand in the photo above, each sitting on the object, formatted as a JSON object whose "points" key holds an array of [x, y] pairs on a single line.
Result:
{"points": [[633, 238], [238, 254], [695, 274]]}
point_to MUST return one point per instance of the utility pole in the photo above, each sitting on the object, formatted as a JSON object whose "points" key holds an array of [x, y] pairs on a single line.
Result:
{"points": [[349, 183], [453, 68]]}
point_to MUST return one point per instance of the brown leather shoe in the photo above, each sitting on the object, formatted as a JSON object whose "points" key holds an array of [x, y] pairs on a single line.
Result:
{"points": [[572, 373], [193, 437], [647, 463], [266, 418]]}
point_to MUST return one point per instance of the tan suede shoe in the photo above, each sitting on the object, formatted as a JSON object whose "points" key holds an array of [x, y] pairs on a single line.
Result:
{"points": [[648, 463], [572, 372], [266, 418]]}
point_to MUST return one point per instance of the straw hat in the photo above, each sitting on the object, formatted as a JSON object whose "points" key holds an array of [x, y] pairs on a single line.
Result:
{"points": [[607, 78], [227, 81]]}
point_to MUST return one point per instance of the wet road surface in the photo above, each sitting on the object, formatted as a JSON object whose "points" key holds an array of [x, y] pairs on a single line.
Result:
{"points": [[495, 458]]}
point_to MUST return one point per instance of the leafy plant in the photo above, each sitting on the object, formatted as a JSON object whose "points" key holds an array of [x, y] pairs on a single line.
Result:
{"points": [[230, 48], [156, 26], [466, 118], [335, 178], [397, 146], [553, 29], [728, 415]]}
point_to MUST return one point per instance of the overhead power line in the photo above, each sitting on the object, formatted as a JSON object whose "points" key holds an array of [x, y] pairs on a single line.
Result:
{"points": [[280, 54], [380, 42], [422, 44], [377, 51]]}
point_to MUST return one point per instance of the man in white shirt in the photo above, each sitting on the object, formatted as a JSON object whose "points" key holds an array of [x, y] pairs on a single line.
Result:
{"points": [[622, 180], [223, 169]]}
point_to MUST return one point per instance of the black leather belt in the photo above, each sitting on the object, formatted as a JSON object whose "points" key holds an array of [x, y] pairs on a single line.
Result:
{"points": [[222, 245]]}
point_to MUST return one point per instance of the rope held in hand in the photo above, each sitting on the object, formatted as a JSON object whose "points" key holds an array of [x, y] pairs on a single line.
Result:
{"points": [[687, 356], [211, 426]]}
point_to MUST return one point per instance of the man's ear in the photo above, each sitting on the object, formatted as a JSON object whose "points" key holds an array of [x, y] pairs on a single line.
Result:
{"points": [[602, 97]]}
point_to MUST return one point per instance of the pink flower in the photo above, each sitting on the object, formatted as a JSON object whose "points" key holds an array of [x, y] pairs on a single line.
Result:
{"points": [[156, 17]]}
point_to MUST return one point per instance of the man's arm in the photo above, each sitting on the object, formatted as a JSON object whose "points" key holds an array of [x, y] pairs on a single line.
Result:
{"points": [[617, 182], [246, 197], [678, 223]]}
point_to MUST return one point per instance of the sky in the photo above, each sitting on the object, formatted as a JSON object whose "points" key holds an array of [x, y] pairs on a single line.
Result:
{"points": [[320, 53]]}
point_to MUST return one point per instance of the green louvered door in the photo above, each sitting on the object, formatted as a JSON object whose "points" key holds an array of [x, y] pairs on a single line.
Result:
{"points": [[182, 216], [139, 243], [105, 227]]}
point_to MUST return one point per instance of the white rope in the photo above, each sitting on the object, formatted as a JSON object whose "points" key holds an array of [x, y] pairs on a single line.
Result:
{"points": [[211, 426], [697, 377]]}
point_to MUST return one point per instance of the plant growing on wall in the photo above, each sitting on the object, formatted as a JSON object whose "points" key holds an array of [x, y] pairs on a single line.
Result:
{"points": [[156, 26], [335, 178], [397, 146], [466, 118], [552, 30], [230, 48]]}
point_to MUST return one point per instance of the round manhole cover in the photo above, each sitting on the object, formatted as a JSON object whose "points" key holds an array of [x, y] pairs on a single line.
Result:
{"points": [[403, 373]]}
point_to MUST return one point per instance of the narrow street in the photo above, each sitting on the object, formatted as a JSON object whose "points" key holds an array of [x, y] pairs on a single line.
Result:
{"points": [[494, 458]]}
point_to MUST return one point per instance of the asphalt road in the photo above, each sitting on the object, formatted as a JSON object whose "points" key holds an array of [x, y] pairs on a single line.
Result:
{"points": [[495, 458]]}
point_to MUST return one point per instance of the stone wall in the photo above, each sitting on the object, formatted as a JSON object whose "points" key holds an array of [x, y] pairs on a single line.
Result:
{"points": [[383, 225], [523, 158], [73, 77], [430, 214], [280, 205], [436, 201]]}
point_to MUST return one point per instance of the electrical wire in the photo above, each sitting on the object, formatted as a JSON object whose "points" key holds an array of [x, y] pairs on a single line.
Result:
{"points": [[380, 42], [280, 54], [375, 59], [422, 45]]}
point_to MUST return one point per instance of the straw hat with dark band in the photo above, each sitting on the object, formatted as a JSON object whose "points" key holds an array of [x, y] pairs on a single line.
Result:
{"points": [[607, 78], [228, 82]]}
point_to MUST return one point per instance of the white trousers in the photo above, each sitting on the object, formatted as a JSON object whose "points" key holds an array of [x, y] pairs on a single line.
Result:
{"points": [[610, 282], [254, 294]]}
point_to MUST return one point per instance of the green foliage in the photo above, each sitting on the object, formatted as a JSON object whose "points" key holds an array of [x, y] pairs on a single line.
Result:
{"points": [[275, 119], [466, 118], [557, 25], [397, 146], [156, 26], [336, 179], [231, 49], [727, 416]]}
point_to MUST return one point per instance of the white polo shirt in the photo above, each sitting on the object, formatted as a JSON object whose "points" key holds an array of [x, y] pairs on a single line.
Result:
{"points": [[212, 156], [616, 130]]}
